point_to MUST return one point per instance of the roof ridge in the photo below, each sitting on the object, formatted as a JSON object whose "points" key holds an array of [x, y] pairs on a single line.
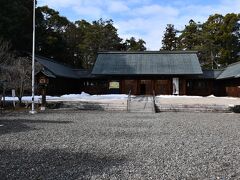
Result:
{"points": [[147, 52]]}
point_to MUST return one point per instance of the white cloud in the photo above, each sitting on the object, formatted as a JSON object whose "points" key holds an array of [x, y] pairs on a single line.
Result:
{"points": [[143, 19], [117, 6], [155, 10], [56, 3], [90, 11]]}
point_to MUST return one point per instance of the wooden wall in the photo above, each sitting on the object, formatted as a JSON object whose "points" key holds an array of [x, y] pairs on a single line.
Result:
{"points": [[127, 85], [163, 87], [160, 87], [199, 87], [233, 91]]}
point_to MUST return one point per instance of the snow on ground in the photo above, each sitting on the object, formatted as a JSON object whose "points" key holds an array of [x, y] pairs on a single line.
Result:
{"points": [[193, 97], [85, 96], [28, 98], [163, 99], [188, 100], [71, 97]]}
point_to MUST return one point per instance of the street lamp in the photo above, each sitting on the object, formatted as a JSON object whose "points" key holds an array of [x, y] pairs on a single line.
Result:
{"points": [[33, 59]]}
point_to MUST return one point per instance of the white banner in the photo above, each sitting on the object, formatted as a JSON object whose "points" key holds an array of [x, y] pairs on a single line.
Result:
{"points": [[175, 86]]}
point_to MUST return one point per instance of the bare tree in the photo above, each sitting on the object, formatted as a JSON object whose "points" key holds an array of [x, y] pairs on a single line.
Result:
{"points": [[18, 76], [15, 70]]}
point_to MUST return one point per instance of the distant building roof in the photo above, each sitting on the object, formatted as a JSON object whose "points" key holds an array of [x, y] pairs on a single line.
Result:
{"points": [[232, 71], [147, 63], [211, 74], [53, 69]]}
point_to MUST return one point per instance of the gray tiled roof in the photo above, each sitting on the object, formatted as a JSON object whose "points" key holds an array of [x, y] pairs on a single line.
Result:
{"points": [[147, 63], [53, 69], [56, 69], [232, 71]]}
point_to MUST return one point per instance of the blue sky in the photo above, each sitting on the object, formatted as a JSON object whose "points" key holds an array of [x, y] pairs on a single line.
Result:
{"points": [[146, 19]]}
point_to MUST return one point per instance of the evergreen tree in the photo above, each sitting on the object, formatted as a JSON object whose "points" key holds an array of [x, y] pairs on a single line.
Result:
{"points": [[230, 38], [217, 40], [50, 32], [133, 45], [191, 38], [16, 23], [221, 39], [169, 41], [99, 36], [76, 43]]}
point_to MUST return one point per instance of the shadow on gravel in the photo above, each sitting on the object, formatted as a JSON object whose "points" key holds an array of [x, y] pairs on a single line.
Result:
{"points": [[20, 125], [56, 164]]}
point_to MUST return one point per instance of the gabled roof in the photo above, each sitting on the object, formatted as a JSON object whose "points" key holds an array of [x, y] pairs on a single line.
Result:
{"points": [[232, 71], [54, 69], [147, 63]]}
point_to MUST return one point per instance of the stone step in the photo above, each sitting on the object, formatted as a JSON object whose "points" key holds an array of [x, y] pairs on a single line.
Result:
{"points": [[138, 105], [142, 104], [108, 106], [143, 111], [192, 108]]}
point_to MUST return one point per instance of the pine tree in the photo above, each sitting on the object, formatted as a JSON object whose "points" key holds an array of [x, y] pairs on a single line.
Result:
{"points": [[133, 45], [169, 41], [191, 38]]}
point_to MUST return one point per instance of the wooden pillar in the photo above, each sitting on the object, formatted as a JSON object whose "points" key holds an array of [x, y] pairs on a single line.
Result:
{"points": [[153, 85], [182, 87]]}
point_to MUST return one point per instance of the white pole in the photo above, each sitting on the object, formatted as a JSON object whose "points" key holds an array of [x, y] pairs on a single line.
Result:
{"points": [[33, 59]]}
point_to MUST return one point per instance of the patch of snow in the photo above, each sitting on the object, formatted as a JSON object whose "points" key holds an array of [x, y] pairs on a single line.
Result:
{"points": [[212, 96], [83, 94], [11, 99], [111, 96], [72, 97], [173, 96]]}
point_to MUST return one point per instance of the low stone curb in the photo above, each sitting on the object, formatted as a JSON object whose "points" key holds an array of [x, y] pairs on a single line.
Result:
{"points": [[192, 108]]}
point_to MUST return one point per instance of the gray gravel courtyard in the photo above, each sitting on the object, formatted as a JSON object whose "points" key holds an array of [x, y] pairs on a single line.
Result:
{"points": [[114, 145]]}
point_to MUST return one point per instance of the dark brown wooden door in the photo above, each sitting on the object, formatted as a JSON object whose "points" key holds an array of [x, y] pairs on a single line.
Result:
{"points": [[146, 87], [163, 87]]}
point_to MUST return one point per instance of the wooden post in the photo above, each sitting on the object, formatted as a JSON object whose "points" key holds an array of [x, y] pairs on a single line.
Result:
{"points": [[43, 82], [43, 98]]}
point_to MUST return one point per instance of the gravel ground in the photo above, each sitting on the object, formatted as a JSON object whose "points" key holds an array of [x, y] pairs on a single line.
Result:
{"points": [[112, 145]]}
